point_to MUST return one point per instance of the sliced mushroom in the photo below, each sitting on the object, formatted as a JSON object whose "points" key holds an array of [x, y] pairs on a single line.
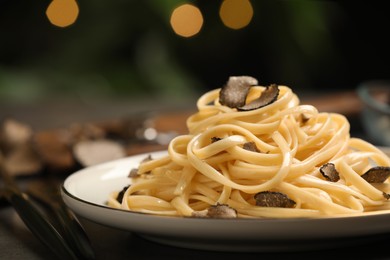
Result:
{"points": [[54, 150], [119, 198], [217, 211], [23, 160], [14, 133], [268, 96], [215, 139], [251, 146], [273, 199], [133, 173], [147, 159], [234, 93], [377, 174], [87, 131], [328, 170]]}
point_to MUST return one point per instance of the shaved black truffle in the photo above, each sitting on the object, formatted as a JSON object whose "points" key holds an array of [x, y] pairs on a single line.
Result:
{"points": [[234, 93], [217, 211], [221, 211], [268, 96], [386, 195], [147, 159], [133, 173], [377, 174], [251, 146], [119, 198], [328, 170], [215, 139], [273, 199]]}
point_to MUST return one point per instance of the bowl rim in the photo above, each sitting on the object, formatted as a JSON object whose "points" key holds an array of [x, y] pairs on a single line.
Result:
{"points": [[363, 92]]}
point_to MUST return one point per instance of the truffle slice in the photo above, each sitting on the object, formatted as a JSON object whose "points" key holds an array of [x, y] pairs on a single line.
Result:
{"points": [[273, 199], [147, 159], [133, 173], [119, 198], [217, 211], [268, 96], [221, 211], [251, 146], [215, 139], [328, 170], [377, 174], [234, 93]]}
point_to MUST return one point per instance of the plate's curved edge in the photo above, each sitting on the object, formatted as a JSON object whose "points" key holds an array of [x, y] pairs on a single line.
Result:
{"points": [[247, 229], [113, 162], [66, 194]]}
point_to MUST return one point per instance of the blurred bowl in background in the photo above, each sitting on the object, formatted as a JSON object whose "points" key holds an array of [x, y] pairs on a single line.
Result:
{"points": [[375, 115]]}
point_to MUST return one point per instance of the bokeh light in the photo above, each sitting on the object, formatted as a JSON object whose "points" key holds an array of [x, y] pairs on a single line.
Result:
{"points": [[236, 14], [186, 20], [62, 13]]}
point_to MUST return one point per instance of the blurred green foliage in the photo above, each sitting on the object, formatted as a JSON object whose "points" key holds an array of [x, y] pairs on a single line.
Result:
{"points": [[127, 49]]}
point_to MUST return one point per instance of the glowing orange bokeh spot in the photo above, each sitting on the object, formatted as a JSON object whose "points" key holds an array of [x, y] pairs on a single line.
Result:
{"points": [[62, 13], [186, 20], [236, 14]]}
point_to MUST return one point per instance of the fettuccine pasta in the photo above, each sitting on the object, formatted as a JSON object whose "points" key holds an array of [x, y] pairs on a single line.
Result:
{"points": [[290, 142]]}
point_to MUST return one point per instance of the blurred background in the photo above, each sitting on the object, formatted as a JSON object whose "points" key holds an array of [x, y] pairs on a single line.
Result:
{"points": [[99, 58]]}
